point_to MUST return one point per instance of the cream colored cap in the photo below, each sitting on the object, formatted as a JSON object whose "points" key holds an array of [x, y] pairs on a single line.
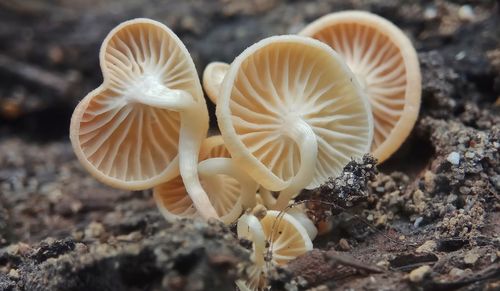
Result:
{"points": [[288, 97], [386, 65]]}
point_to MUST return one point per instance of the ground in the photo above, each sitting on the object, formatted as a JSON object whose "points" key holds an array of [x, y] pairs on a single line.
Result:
{"points": [[426, 219]]}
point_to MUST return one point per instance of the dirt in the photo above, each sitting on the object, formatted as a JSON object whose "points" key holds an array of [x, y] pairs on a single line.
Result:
{"points": [[426, 219]]}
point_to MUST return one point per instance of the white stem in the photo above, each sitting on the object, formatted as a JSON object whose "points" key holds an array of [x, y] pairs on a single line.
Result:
{"points": [[249, 227], [267, 197], [226, 166], [305, 138], [194, 126]]}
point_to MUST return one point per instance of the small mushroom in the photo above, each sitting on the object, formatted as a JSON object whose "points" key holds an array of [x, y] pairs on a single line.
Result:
{"points": [[297, 211], [385, 64], [286, 237], [292, 114], [213, 75], [148, 118], [228, 187]]}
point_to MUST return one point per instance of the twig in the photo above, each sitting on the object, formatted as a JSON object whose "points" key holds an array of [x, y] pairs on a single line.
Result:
{"points": [[349, 261], [35, 75]]}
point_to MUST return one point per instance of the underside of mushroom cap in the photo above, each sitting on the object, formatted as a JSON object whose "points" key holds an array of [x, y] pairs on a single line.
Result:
{"points": [[386, 65], [287, 237], [116, 134], [277, 82]]}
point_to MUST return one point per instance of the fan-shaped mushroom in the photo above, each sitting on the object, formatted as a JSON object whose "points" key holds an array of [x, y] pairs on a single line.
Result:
{"points": [[297, 211], [148, 117], [286, 237], [385, 63], [292, 115], [228, 187], [213, 75]]}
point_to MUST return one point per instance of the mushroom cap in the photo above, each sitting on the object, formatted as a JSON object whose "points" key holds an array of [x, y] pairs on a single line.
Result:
{"points": [[223, 191], [386, 64], [281, 79], [299, 213], [122, 142], [213, 75], [288, 237]]}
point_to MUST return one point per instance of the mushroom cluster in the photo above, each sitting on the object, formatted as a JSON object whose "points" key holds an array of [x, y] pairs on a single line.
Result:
{"points": [[292, 111]]}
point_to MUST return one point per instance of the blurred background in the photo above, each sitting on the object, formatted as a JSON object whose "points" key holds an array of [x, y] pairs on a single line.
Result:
{"points": [[49, 61]]}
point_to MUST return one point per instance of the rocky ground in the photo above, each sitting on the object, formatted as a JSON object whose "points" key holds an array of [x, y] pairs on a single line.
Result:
{"points": [[427, 219]]}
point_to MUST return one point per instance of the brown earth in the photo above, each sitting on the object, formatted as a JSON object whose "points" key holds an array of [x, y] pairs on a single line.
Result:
{"points": [[421, 223]]}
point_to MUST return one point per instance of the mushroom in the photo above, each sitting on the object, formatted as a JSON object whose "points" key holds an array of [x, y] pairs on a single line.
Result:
{"points": [[228, 187], [292, 114], [213, 75], [148, 118], [385, 64], [297, 211], [285, 236]]}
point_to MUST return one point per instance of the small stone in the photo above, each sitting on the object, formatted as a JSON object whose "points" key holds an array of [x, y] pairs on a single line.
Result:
{"points": [[466, 13], [451, 198], [344, 245], [133, 236], [419, 273], [94, 230], [469, 155], [430, 12], [384, 264], [471, 257], [13, 273], [382, 220], [454, 158], [418, 221], [464, 190], [456, 272], [427, 247]]}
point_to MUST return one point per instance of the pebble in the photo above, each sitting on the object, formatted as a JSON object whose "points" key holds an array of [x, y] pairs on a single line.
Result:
{"points": [[13, 273], [419, 273], [453, 158], [471, 257], [382, 220], [427, 247], [344, 245], [94, 230], [430, 12], [469, 155], [466, 13], [456, 272], [417, 222]]}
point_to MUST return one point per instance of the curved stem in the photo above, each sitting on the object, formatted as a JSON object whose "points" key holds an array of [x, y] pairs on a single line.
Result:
{"points": [[249, 227], [305, 138], [194, 127], [226, 166]]}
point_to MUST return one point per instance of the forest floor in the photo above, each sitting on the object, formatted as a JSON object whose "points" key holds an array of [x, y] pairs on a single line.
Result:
{"points": [[425, 222]]}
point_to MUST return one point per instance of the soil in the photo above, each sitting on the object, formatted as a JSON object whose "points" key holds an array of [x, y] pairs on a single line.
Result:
{"points": [[426, 219]]}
